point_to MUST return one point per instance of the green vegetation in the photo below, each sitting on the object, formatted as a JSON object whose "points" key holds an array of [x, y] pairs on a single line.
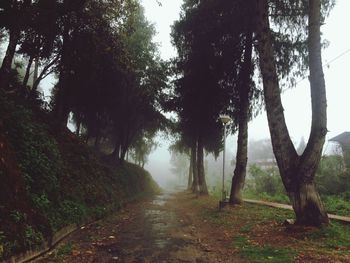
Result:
{"points": [[263, 254], [266, 184], [259, 235], [333, 236], [63, 250], [64, 182]]}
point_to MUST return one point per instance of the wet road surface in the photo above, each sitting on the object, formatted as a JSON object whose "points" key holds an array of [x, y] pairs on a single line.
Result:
{"points": [[158, 235], [150, 231]]}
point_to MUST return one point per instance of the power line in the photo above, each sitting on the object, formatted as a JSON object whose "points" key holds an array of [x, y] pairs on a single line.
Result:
{"points": [[328, 63], [337, 57]]}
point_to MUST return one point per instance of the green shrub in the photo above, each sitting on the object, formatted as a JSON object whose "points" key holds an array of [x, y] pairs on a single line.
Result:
{"points": [[337, 205], [332, 178], [33, 237], [265, 180], [37, 152], [65, 181]]}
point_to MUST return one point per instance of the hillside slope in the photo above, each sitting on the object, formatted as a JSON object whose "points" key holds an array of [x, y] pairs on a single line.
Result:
{"points": [[51, 179]]}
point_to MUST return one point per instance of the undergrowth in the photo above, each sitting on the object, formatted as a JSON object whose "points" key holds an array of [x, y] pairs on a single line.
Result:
{"points": [[65, 182]]}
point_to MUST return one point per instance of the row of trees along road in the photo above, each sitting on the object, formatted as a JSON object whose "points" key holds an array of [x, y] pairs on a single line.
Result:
{"points": [[221, 44], [112, 80], [110, 76]]}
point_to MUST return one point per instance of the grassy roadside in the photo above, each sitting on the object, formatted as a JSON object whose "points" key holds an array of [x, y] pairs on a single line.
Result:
{"points": [[334, 204], [257, 234]]}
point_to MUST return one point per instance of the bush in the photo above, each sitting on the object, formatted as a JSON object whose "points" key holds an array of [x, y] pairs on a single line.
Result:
{"points": [[332, 178], [266, 181], [337, 205]]}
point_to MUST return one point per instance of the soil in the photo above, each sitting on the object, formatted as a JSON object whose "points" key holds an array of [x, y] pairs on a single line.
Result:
{"points": [[157, 230], [178, 226]]}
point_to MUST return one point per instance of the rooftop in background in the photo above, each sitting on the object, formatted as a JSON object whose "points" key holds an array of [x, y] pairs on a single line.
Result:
{"points": [[343, 138]]}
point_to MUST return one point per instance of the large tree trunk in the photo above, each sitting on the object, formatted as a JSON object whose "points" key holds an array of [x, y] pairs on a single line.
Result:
{"points": [[7, 61], [297, 172], [195, 187], [242, 141], [203, 190], [190, 173]]}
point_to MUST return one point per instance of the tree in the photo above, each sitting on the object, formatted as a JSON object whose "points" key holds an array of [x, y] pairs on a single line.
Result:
{"points": [[141, 148], [201, 88], [13, 17], [180, 147], [179, 163], [239, 173], [112, 78], [297, 172]]}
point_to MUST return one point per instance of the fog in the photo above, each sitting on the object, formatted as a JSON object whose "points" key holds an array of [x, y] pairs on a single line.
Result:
{"points": [[296, 101]]}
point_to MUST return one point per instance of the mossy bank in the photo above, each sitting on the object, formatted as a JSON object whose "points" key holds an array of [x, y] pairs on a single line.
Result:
{"points": [[51, 179]]}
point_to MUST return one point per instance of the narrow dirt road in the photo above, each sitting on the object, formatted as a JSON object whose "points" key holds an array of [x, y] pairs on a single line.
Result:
{"points": [[151, 231]]}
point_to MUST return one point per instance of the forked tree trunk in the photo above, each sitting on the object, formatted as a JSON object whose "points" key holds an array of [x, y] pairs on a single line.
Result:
{"points": [[242, 141], [203, 190], [190, 173], [195, 187], [7, 61], [297, 172]]}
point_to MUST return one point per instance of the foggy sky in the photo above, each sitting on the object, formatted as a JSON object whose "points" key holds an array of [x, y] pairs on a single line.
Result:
{"points": [[296, 101]]}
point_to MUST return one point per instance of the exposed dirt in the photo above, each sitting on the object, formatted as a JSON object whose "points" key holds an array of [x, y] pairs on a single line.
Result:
{"points": [[157, 230], [181, 227]]}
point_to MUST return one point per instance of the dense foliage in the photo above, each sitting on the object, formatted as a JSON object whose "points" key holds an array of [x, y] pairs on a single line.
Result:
{"points": [[332, 181], [63, 179], [110, 76]]}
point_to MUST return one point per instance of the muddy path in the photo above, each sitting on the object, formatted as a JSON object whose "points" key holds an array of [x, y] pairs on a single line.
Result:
{"points": [[148, 231]]}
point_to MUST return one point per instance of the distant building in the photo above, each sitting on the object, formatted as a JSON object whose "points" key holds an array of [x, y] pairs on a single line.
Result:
{"points": [[343, 141]]}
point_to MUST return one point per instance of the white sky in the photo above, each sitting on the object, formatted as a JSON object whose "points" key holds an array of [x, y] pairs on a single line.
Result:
{"points": [[297, 101]]}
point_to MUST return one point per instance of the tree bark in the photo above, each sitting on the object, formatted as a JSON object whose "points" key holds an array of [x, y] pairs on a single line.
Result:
{"points": [[195, 187], [116, 151], [190, 173], [61, 109], [122, 154], [36, 70], [307, 202], [242, 141], [26, 76], [203, 190], [7, 61], [97, 140], [297, 173]]}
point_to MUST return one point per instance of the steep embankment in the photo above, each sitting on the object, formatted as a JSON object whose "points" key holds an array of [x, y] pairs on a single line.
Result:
{"points": [[50, 180]]}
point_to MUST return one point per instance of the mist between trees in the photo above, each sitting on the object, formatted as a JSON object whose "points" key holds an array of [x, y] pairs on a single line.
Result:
{"points": [[263, 180], [115, 87]]}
